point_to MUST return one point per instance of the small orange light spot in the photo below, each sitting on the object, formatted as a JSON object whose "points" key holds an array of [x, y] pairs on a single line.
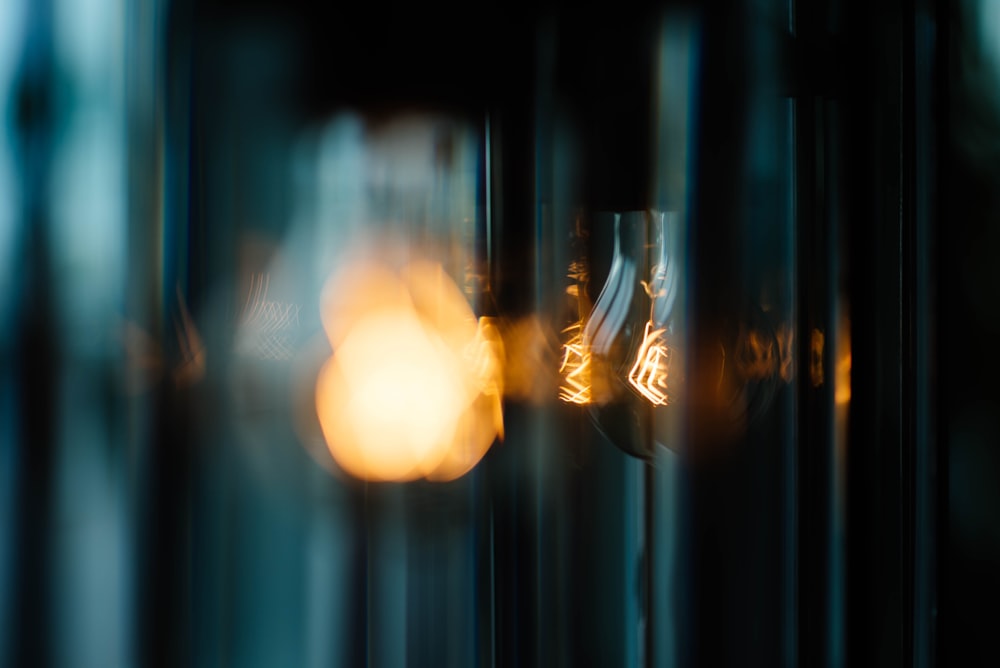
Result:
{"points": [[816, 358]]}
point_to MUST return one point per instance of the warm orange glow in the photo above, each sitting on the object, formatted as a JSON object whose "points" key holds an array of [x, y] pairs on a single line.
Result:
{"points": [[757, 357], [397, 395], [146, 361], [842, 369], [842, 374], [482, 422], [651, 369], [786, 341], [842, 393], [413, 388], [530, 361], [191, 368], [816, 344]]}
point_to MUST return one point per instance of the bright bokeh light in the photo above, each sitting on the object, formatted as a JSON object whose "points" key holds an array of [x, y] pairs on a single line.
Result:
{"points": [[414, 385]]}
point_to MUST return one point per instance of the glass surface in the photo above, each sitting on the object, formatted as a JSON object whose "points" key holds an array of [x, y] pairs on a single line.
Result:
{"points": [[591, 336]]}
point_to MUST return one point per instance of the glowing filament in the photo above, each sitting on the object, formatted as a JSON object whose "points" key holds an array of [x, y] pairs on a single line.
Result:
{"points": [[575, 368], [652, 364]]}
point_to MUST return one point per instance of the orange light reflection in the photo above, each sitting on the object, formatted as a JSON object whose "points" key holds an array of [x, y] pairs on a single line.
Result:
{"points": [[842, 373]]}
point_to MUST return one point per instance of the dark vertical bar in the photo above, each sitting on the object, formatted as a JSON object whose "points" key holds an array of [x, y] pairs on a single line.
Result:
{"points": [[814, 367], [164, 499], [911, 365], [364, 571], [512, 212], [731, 488], [649, 619], [927, 77], [145, 185], [873, 540], [879, 211], [811, 86], [790, 473], [969, 502], [36, 358]]}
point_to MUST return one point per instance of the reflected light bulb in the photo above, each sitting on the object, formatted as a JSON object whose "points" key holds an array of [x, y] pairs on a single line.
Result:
{"points": [[600, 327], [650, 373]]}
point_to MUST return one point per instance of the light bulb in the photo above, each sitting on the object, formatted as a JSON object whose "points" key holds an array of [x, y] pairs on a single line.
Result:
{"points": [[414, 384], [620, 357], [652, 374]]}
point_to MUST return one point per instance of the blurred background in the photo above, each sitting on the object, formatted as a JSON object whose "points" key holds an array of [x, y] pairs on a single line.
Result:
{"points": [[570, 335]]}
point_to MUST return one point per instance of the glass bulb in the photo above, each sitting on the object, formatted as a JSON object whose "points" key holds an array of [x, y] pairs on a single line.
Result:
{"points": [[414, 385], [621, 357]]}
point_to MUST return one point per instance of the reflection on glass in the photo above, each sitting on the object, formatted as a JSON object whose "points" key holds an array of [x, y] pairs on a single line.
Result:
{"points": [[650, 374], [146, 362], [842, 372], [530, 360], [607, 330], [575, 366], [816, 344], [647, 368], [597, 336], [612, 306], [751, 374], [785, 334], [617, 357], [265, 325]]}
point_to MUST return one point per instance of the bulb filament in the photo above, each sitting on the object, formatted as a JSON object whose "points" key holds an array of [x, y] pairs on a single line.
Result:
{"points": [[575, 368], [651, 369]]}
